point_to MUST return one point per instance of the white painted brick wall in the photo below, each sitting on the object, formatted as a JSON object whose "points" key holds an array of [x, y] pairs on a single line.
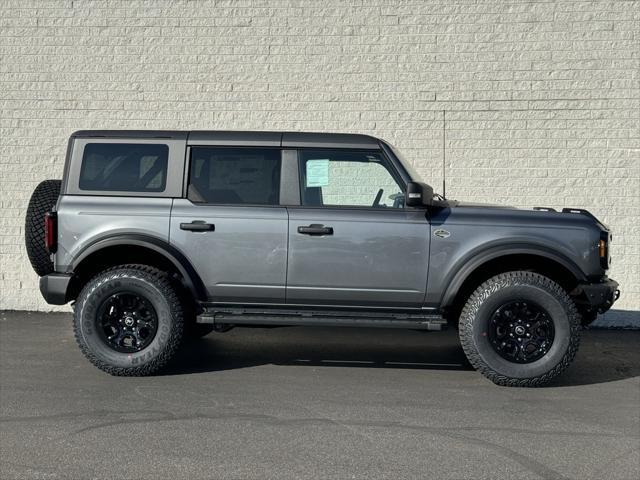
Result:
{"points": [[542, 98]]}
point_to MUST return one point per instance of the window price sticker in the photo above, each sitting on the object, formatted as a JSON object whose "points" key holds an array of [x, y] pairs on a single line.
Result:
{"points": [[318, 172]]}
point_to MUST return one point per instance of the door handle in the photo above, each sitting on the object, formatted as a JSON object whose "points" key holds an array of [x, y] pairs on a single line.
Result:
{"points": [[315, 229], [198, 226]]}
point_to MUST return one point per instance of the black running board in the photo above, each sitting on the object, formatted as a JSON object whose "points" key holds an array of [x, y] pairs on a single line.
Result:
{"points": [[325, 318]]}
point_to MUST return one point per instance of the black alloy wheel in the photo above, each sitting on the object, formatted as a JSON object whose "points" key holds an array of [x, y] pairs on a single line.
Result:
{"points": [[127, 322], [521, 331]]}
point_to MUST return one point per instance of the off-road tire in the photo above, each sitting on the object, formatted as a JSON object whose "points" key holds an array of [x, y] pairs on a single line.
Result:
{"points": [[157, 289], [43, 199], [514, 286]]}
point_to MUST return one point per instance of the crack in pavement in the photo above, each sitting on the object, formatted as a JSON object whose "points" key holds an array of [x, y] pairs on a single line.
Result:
{"points": [[162, 415], [457, 433]]}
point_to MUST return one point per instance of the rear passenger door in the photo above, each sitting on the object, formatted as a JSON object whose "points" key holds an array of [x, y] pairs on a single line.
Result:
{"points": [[231, 225]]}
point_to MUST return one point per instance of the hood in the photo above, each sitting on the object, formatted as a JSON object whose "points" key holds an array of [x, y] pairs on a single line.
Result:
{"points": [[540, 215]]}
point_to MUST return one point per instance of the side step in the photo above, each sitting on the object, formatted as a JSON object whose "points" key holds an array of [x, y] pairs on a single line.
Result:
{"points": [[328, 318]]}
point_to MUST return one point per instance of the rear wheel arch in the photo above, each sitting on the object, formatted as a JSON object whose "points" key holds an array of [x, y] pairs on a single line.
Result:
{"points": [[139, 249], [485, 265]]}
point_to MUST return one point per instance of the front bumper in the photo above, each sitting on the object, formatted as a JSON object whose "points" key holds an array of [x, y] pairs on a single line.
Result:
{"points": [[54, 288], [600, 296]]}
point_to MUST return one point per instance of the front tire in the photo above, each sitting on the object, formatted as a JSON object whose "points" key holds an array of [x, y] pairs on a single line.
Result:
{"points": [[520, 329], [128, 320]]}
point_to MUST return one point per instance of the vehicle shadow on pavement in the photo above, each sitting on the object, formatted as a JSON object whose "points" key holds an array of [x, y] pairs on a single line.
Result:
{"points": [[321, 346], [604, 356]]}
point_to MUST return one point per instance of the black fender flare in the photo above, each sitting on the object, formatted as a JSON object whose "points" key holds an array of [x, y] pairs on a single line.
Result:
{"points": [[191, 278], [475, 260]]}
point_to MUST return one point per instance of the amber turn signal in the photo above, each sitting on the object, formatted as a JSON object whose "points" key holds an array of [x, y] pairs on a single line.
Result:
{"points": [[602, 248]]}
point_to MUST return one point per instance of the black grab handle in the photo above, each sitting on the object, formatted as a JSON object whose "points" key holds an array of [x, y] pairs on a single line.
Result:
{"points": [[315, 229], [198, 226]]}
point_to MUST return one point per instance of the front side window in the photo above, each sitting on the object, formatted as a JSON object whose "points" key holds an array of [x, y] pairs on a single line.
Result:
{"points": [[124, 167], [234, 176], [348, 178]]}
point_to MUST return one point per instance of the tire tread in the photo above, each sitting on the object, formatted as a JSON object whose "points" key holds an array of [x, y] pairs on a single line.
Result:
{"points": [[509, 279], [42, 199], [160, 280]]}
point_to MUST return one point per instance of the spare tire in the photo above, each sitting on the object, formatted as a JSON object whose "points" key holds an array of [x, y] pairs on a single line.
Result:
{"points": [[43, 199]]}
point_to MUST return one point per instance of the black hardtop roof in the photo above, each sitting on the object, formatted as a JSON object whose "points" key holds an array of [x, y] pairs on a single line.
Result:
{"points": [[243, 138]]}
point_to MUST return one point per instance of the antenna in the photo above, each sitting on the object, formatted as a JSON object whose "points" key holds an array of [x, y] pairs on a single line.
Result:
{"points": [[444, 153]]}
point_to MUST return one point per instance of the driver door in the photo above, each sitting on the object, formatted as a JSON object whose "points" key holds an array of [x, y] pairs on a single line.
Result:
{"points": [[352, 242]]}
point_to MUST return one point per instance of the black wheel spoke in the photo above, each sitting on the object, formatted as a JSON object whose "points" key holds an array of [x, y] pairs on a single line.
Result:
{"points": [[521, 332], [135, 334], [113, 308], [117, 338], [145, 324], [128, 322]]}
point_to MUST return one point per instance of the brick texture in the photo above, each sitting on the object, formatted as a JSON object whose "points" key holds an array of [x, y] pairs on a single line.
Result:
{"points": [[542, 98]]}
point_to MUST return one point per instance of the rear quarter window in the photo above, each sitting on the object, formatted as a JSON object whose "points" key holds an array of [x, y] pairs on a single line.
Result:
{"points": [[124, 167]]}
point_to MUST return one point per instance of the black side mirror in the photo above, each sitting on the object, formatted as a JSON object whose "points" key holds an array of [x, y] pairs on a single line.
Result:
{"points": [[418, 194]]}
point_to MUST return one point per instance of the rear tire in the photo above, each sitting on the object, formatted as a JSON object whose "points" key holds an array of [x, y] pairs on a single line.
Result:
{"points": [[520, 329], [43, 199], [128, 320]]}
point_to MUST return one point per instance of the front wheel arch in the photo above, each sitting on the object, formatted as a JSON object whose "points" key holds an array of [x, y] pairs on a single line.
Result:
{"points": [[482, 267]]}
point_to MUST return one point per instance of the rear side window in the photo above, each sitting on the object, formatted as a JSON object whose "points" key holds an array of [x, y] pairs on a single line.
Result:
{"points": [[235, 176], [124, 167]]}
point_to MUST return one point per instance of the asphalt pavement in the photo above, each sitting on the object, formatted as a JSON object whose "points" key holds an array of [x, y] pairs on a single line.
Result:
{"points": [[303, 402]]}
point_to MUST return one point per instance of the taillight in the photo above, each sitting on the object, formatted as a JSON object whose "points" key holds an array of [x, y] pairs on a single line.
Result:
{"points": [[51, 231]]}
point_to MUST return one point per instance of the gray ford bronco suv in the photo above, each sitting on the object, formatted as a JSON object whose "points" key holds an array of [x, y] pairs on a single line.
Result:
{"points": [[159, 236]]}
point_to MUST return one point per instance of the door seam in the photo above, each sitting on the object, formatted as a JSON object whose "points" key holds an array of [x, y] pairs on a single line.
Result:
{"points": [[170, 219], [286, 263]]}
